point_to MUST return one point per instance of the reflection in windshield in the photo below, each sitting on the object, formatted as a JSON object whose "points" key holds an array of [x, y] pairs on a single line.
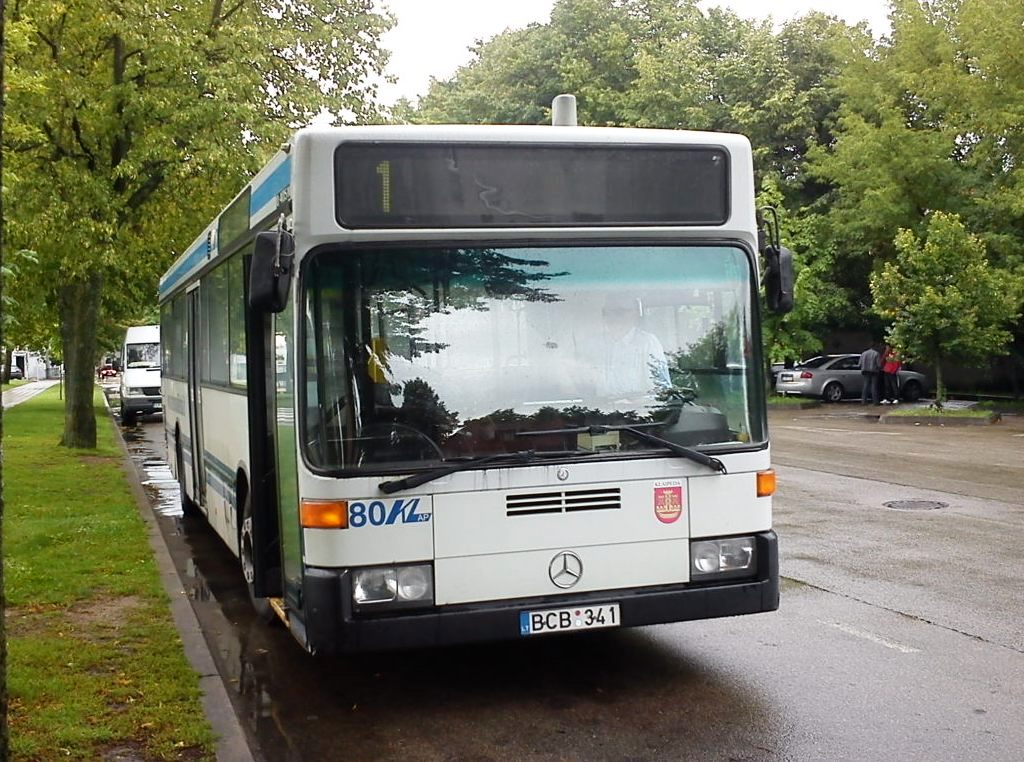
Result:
{"points": [[415, 356], [143, 356]]}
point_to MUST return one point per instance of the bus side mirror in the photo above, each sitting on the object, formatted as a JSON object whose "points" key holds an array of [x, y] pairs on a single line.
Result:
{"points": [[270, 274], [778, 279]]}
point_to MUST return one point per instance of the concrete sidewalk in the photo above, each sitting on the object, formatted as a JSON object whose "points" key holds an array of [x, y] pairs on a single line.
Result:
{"points": [[27, 391]]}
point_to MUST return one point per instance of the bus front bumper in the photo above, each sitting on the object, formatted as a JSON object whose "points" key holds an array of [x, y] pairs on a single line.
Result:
{"points": [[331, 627]]}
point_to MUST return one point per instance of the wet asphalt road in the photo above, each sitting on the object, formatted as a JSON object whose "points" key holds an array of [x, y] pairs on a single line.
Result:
{"points": [[900, 634]]}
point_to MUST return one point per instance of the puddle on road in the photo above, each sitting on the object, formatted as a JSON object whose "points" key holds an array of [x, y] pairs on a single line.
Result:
{"points": [[199, 590], [159, 484]]}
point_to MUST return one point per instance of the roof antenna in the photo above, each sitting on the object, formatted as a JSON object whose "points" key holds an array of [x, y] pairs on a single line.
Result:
{"points": [[563, 111]]}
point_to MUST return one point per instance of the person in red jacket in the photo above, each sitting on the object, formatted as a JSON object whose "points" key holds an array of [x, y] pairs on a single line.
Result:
{"points": [[890, 376]]}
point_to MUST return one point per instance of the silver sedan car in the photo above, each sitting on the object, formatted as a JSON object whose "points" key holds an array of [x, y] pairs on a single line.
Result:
{"points": [[835, 377]]}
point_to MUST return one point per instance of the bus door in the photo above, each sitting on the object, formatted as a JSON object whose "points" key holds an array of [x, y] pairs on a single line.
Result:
{"points": [[195, 402], [282, 370], [268, 385]]}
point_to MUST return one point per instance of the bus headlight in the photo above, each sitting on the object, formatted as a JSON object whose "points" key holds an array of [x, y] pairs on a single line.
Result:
{"points": [[393, 586], [729, 557], [374, 586], [414, 583]]}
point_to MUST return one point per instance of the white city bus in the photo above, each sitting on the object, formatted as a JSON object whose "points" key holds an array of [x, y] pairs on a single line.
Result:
{"points": [[441, 384]]}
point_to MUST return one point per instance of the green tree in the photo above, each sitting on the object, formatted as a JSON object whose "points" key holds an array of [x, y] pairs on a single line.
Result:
{"points": [[945, 302], [819, 300], [129, 123], [890, 160], [963, 69], [930, 120]]}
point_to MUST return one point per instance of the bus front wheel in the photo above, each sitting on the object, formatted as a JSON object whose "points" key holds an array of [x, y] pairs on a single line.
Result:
{"points": [[246, 543]]}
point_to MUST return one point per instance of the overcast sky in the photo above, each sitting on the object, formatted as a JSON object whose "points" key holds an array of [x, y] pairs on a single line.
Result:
{"points": [[432, 37]]}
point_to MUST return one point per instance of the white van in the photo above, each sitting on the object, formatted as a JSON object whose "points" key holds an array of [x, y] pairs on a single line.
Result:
{"points": [[140, 373]]}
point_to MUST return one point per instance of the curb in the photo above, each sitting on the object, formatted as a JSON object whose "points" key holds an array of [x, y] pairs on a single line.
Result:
{"points": [[810, 404], [232, 745]]}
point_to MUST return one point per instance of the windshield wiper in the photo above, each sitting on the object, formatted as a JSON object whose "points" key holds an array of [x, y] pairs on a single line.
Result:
{"points": [[695, 455], [523, 456], [685, 452]]}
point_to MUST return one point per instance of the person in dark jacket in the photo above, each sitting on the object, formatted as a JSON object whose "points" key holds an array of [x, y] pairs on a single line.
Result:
{"points": [[870, 365]]}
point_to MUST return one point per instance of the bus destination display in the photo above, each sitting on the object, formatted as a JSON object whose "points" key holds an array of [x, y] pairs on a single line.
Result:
{"points": [[424, 185]]}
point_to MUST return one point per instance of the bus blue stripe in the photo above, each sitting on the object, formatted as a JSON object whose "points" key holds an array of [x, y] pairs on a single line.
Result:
{"points": [[215, 466], [265, 192], [194, 257], [225, 489]]}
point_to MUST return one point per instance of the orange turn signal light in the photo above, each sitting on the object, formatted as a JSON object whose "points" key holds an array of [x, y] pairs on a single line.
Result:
{"points": [[324, 514], [765, 483]]}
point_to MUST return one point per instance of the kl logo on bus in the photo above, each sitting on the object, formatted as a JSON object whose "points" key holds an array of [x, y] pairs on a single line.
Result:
{"points": [[378, 513], [668, 503]]}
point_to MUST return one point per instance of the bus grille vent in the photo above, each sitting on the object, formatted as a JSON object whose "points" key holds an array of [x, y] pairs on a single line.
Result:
{"points": [[151, 391], [563, 502]]}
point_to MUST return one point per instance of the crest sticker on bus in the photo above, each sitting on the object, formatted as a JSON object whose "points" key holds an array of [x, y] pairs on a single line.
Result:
{"points": [[668, 501]]}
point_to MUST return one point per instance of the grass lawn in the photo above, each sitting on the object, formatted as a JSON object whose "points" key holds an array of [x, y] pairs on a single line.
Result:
{"points": [[789, 400], [95, 665], [1015, 407], [930, 412]]}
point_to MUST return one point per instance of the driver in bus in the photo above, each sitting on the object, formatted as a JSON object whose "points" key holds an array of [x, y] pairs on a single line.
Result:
{"points": [[635, 361]]}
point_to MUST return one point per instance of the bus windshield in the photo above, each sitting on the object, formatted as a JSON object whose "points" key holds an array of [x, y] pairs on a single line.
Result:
{"points": [[414, 356]]}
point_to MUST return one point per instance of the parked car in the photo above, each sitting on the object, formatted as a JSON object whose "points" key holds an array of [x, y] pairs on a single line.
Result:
{"points": [[108, 371], [835, 377], [776, 368], [16, 373]]}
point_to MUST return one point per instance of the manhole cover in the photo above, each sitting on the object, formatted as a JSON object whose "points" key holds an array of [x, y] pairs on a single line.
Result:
{"points": [[915, 505]]}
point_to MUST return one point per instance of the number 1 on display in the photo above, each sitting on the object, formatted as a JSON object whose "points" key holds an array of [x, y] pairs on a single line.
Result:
{"points": [[384, 170]]}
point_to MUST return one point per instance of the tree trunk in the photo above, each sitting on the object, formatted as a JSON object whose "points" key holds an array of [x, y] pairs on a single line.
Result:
{"points": [[6, 370], [79, 301], [940, 385]]}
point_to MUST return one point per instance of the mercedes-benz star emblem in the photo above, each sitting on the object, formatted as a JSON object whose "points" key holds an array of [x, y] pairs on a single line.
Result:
{"points": [[565, 569]]}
